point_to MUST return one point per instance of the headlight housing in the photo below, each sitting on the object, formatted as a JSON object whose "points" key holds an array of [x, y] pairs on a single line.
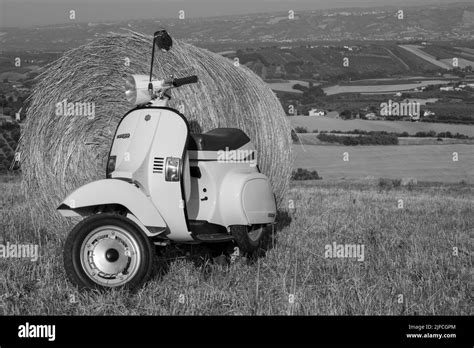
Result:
{"points": [[172, 168], [110, 166], [136, 89]]}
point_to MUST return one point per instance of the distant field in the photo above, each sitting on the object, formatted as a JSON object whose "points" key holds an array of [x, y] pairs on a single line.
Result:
{"points": [[462, 63], [439, 52], [224, 53], [396, 87], [392, 81], [311, 139], [466, 52], [287, 86], [446, 55], [12, 76], [466, 49], [329, 124], [413, 60], [423, 162], [422, 54], [368, 86]]}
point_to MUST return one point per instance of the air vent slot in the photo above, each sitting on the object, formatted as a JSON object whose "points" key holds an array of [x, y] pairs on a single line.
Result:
{"points": [[158, 163]]}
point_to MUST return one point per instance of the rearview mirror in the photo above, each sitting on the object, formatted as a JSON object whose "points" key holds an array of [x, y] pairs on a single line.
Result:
{"points": [[163, 40]]}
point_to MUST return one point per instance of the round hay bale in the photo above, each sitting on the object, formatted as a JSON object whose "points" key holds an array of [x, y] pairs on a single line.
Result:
{"points": [[60, 153]]}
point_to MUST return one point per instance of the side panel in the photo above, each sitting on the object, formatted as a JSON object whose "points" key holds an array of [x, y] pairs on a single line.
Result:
{"points": [[258, 201], [111, 191], [132, 140], [145, 138], [169, 196], [218, 181], [246, 198], [132, 144], [217, 186]]}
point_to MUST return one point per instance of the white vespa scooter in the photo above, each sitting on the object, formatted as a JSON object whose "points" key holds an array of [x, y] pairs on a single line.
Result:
{"points": [[163, 185]]}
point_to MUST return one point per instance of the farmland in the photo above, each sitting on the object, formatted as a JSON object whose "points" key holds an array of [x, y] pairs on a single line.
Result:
{"points": [[441, 56], [329, 124], [287, 86], [336, 62], [432, 163], [424, 55], [461, 62], [312, 139], [446, 54], [408, 252], [378, 89]]}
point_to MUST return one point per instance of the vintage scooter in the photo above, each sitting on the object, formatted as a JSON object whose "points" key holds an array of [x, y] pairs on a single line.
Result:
{"points": [[164, 185]]}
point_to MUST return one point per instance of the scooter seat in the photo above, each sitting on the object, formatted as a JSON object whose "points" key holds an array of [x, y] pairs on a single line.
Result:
{"points": [[218, 139]]}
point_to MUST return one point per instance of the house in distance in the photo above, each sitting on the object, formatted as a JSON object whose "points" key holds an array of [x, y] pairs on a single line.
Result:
{"points": [[316, 112]]}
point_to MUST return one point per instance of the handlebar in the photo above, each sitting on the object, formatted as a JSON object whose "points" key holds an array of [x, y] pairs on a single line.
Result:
{"points": [[185, 80]]}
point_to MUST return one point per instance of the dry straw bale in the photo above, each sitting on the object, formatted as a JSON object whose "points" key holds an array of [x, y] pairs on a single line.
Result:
{"points": [[61, 153]]}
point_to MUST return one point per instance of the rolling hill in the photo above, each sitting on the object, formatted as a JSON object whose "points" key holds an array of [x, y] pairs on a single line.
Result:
{"points": [[443, 22]]}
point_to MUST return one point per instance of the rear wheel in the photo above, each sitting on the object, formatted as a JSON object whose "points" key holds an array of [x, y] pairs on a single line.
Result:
{"points": [[249, 238], [106, 251]]}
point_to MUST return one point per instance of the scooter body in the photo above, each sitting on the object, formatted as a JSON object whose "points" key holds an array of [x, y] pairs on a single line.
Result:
{"points": [[219, 186]]}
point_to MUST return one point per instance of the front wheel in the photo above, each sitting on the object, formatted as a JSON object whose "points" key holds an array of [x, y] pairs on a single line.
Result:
{"points": [[249, 238], [106, 251]]}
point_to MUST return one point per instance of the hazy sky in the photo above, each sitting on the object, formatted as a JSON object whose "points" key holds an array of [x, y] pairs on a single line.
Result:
{"points": [[41, 12]]}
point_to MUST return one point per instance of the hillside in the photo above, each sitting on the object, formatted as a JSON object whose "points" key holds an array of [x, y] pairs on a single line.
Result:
{"points": [[445, 22], [334, 62]]}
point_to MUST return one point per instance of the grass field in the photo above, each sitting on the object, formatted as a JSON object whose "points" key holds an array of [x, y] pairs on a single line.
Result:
{"points": [[391, 81], [382, 88], [462, 62], [287, 86], [329, 124], [12, 76], [409, 265], [312, 139], [422, 54], [424, 162]]}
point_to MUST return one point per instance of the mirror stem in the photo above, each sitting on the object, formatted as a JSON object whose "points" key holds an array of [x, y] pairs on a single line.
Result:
{"points": [[150, 84]]}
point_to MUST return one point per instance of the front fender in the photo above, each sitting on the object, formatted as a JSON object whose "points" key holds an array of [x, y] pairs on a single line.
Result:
{"points": [[112, 191]]}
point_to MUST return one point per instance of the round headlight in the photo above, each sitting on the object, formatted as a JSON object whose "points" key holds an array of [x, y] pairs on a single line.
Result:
{"points": [[136, 89], [131, 89]]}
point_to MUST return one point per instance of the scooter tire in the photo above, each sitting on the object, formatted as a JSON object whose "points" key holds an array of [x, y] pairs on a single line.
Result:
{"points": [[74, 268], [243, 240]]}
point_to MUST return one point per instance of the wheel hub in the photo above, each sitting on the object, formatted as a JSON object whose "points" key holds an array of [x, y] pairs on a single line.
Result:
{"points": [[110, 255]]}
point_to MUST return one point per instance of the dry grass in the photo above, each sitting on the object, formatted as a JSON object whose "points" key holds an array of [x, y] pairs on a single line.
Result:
{"points": [[407, 251], [56, 153]]}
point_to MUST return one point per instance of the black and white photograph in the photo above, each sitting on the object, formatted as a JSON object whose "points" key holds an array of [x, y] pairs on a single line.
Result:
{"points": [[212, 167]]}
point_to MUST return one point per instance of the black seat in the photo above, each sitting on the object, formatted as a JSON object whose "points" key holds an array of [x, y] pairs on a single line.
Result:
{"points": [[218, 139]]}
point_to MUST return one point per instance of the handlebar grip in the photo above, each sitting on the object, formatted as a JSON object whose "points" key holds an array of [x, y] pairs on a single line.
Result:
{"points": [[185, 80]]}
